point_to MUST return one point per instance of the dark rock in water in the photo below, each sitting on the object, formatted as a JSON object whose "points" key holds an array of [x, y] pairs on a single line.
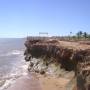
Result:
{"points": [[28, 57], [69, 59]]}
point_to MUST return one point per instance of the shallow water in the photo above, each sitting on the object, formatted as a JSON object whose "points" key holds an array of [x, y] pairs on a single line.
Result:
{"points": [[12, 63]]}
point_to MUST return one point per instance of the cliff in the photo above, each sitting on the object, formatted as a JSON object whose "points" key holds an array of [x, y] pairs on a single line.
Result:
{"points": [[61, 58]]}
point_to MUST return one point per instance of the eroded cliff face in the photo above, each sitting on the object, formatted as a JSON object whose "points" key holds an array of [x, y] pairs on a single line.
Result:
{"points": [[52, 57], [82, 71]]}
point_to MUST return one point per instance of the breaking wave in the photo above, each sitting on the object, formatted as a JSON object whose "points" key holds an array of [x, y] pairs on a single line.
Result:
{"points": [[19, 69], [13, 52]]}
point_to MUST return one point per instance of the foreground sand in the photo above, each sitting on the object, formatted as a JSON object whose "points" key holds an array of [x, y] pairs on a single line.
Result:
{"points": [[53, 83], [27, 82], [39, 82]]}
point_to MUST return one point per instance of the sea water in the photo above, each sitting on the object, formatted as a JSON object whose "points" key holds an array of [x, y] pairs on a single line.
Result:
{"points": [[12, 63]]}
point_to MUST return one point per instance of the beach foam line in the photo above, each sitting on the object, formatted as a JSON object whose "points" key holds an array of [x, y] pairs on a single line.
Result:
{"points": [[26, 83]]}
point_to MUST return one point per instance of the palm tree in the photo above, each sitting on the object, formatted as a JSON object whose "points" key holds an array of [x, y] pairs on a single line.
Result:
{"points": [[70, 35], [85, 35], [79, 34]]}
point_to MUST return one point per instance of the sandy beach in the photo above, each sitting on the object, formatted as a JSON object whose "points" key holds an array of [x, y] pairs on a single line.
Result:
{"points": [[27, 82], [39, 82]]}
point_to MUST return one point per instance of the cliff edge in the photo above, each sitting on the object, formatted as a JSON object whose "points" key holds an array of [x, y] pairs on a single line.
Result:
{"points": [[60, 58]]}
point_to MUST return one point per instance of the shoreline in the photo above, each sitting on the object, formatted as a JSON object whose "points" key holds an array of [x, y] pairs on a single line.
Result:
{"points": [[33, 81], [26, 82]]}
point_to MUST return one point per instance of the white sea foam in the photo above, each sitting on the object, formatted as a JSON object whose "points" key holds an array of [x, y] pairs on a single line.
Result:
{"points": [[13, 76], [7, 84], [16, 52], [17, 71], [13, 52]]}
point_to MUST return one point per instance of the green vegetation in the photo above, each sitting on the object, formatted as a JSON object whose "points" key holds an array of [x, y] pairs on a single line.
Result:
{"points": [[77, 37], [83, 35]]}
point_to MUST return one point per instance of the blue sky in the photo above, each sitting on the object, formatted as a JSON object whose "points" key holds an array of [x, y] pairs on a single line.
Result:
{"points": [[19, 18]]}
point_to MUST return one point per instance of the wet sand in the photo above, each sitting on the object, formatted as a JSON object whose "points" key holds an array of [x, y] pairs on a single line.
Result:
{"points": [[39, 82], [27, 82]]}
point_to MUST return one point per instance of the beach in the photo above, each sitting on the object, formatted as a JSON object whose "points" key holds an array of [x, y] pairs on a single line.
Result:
{"points": [[39, 82]]}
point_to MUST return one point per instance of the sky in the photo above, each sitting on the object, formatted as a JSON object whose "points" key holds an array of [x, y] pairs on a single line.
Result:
{"points": [[21, 18]]}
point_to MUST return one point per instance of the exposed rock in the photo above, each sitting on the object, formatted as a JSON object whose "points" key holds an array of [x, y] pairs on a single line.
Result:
{"points": [[42, 72]]}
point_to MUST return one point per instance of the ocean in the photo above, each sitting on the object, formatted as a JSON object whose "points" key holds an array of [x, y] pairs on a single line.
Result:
{"points": [[12, 63]]}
